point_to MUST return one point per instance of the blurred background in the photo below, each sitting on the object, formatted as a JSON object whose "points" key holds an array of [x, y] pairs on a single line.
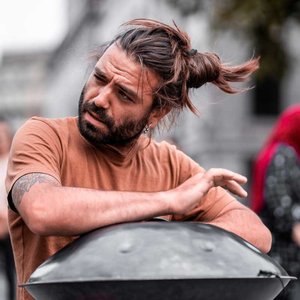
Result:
{"points": [[44, 62]]}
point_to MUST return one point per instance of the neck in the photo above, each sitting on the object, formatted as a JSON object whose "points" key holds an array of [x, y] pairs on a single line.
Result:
{"points": [[123, 148]]}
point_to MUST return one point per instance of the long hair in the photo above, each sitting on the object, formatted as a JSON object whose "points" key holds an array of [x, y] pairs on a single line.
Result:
{"points": [[166, 50]]}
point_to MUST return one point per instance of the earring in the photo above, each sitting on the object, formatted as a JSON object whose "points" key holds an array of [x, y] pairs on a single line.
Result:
{"points": [[146, 129]]}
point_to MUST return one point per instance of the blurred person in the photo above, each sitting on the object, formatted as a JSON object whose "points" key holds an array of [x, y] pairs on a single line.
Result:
{"points": [[276, 194], [71, 175], [5, 245]]}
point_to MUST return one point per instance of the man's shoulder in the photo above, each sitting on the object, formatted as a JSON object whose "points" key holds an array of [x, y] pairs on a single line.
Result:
{"points": [[40, 128], [40, 125], [54, 122]]}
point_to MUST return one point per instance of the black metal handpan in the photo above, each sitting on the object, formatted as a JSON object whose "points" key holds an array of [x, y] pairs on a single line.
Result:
{"points": [[158, 261]]}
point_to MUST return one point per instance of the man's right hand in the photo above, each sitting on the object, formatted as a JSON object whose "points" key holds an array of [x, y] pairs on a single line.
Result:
{"points": [[187, 195]]}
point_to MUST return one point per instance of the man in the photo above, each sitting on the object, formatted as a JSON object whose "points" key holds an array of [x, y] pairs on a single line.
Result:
{"points": [[7, 260], [69, 176]]}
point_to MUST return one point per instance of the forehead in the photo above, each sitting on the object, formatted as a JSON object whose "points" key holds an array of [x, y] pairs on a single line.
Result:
{"points": [[123, 68]]}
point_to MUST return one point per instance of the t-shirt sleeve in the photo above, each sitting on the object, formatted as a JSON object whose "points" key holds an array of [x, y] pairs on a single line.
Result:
{"points": [[35, 148]]}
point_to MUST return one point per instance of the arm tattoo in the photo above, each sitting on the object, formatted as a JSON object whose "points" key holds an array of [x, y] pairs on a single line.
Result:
{"points": [[24, 184]]}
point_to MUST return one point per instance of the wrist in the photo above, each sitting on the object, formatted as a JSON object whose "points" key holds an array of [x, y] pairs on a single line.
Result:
{"points": [[166, 202]]}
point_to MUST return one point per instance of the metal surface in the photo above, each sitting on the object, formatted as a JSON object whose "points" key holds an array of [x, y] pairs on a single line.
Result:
{"points": [[158, 260]]}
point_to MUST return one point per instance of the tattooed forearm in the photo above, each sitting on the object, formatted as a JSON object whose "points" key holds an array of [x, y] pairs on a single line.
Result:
{"points": [[24, 184]]}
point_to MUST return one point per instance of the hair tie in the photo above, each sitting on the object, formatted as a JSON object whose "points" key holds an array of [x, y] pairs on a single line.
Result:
{"points": [[192, 52]]}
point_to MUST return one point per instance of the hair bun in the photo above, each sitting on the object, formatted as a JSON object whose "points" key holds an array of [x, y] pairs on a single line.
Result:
{"points": [[204, 67]]}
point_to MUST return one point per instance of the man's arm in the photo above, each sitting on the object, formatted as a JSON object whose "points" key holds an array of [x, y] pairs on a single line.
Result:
{"points": [[234, 217], [50, 209], [242, 221]]}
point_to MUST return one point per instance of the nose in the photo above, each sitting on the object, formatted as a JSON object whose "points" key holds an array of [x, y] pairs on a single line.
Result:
{"points": [[103, 97]]}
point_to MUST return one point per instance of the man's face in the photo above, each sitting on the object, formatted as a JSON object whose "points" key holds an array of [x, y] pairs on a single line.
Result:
{"points": [[115, 104]]}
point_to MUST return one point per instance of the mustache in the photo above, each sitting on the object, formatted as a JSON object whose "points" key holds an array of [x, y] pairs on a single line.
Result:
{"points": [[99, 112]]}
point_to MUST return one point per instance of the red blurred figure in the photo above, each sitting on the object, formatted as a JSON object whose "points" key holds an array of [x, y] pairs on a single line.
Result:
{"points": [[276, 193]]}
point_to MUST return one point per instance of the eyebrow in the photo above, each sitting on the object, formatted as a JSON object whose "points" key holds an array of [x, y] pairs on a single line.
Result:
{"points": [[121, 87]]}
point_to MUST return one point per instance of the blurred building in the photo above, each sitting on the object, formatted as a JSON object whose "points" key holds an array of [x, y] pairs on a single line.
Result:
{"points": [[22, 85], [226, 134]]}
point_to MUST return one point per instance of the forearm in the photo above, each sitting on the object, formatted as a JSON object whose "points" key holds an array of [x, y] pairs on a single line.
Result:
{"points": [[240, 220], [49, 210]]}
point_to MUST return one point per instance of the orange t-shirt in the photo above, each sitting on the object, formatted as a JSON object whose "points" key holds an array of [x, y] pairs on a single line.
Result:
{"points": [[56, 147]]}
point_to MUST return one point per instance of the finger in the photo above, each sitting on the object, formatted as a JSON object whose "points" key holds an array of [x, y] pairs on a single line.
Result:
{"points": [[224, 174], [239, 178], [234, 188]]}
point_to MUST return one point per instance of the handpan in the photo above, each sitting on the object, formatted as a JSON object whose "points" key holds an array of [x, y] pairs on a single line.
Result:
{"points": [[158, 260]]}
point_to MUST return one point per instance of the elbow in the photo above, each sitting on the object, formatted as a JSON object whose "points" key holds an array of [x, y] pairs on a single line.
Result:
{"points": [[37, 224], [265, 242], [38, 227], [259, 235], [37, 218]]}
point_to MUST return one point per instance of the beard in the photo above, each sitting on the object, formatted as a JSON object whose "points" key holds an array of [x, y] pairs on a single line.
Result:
{"points": [[116, 135]]}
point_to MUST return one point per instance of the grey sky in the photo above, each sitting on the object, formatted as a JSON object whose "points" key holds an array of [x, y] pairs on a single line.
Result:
{"points": [[31, 24]]}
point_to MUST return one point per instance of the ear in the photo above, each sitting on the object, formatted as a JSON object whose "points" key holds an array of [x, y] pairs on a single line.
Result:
{"points": [[157, 114]]}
